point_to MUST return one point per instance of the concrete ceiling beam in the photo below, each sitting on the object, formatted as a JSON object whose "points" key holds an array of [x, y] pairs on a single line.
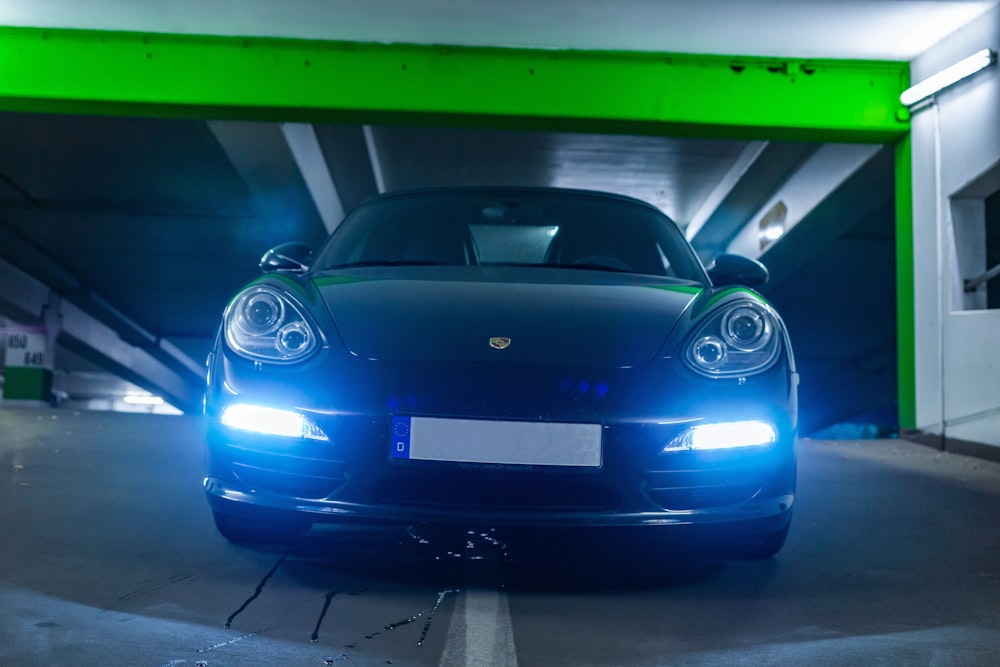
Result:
{"points": [[99, 344], [724, 188], [857, 174], [100, 333], [374, 157], [816, 179], [309, 158], [759, 172], [23, 298], [262, 156], [354, 169]]}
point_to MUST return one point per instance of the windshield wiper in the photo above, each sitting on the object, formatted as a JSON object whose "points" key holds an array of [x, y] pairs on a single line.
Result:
{"points": [[556, 265], [593, 267]]}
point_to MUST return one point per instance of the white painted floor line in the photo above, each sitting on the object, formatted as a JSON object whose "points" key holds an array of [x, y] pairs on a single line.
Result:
{"points": [[480, 634]]}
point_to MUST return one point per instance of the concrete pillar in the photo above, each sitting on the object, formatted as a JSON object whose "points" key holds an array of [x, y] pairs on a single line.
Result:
{"points": [[29, 352]]}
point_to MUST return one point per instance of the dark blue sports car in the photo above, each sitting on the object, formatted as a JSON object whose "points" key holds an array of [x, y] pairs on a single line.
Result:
{"points": [[503, 356]]}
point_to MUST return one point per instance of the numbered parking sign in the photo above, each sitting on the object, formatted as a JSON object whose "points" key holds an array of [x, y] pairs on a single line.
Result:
{"points": [[25, 350]]}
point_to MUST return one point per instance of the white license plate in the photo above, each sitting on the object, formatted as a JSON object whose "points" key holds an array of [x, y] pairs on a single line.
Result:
{"points": [[501, 442]]}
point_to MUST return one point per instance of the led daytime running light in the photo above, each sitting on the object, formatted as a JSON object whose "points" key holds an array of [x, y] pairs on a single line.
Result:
{"points": [[724, 435], [271, 421]]}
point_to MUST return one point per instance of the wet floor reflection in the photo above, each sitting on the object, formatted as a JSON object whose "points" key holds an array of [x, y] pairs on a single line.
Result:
{"points": [[393, 590], [515, 559]]}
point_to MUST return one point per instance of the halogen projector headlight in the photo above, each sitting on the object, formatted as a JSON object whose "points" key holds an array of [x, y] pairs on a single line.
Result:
{"points": [[738, 339], [263, 324]]}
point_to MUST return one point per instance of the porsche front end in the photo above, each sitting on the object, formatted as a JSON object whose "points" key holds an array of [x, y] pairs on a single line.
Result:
{"points": [[501, 393]]}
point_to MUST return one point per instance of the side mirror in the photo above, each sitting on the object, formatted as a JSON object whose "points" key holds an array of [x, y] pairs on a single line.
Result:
{"points": [[288, 257], [737, 270]]}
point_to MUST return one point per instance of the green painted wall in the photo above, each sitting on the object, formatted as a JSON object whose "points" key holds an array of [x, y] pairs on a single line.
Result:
{"points": [[119, 73]]}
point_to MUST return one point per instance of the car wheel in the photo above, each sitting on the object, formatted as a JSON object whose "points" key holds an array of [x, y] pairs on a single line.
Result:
{"points": [[761, 546], [257, 530]]}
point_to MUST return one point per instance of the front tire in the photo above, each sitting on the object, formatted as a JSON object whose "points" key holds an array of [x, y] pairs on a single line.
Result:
{"points": [[760, 546]]}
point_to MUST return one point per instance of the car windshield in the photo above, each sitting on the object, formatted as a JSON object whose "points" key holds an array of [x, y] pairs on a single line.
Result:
{"points": [[545, 228]]}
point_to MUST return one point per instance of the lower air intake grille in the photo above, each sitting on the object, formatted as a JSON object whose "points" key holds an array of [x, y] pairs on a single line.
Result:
{"points": [[692, 489], [486, 495]]}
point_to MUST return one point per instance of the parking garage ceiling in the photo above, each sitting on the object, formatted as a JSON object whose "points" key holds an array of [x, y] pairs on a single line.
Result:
{"points": [[865, 29], [149, 224]]}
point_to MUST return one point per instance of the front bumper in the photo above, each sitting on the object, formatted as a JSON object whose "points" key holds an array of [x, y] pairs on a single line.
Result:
{"points": [[760, 515], [633, 487], [353, 477]]}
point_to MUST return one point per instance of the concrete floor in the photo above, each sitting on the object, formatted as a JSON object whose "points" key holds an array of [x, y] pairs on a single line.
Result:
{"points": [[108, 556]]}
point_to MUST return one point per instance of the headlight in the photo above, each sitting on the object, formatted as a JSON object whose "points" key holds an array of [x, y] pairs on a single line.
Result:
{"points": [[739, 339], [265, 325]]}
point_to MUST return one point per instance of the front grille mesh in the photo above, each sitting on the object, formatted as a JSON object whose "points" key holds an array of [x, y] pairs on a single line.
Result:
{"points": [[286, 483], [550, 495], [696, 489]]}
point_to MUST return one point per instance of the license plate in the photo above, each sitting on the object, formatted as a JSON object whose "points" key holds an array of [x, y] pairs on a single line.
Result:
{"points": [[501, 442]]}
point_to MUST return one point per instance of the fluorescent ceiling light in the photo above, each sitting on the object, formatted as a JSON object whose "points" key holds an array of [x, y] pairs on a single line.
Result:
{"points": [[772, 233], [948, 77]]}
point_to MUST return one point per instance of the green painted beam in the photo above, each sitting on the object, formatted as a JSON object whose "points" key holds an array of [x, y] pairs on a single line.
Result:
{"points": [[906, 348], [119, 73], [208, 77]]}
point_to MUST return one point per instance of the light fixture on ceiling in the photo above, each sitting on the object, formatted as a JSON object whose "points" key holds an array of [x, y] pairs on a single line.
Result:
{"points": [[949, 76], [142, 399], [772, 225]]}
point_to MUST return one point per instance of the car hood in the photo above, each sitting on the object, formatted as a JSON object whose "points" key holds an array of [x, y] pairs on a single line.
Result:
{"points": [[616, 323]]}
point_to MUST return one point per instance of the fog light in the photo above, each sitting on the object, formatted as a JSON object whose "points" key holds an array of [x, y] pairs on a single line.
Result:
{"points": [[725, 435], [271, 421]]}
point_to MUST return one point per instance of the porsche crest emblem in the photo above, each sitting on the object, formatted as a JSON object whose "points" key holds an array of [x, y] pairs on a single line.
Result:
{"points": [[499, 342]]}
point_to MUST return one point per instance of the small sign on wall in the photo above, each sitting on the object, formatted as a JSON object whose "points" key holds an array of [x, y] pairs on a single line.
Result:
{"points": [[25, 350]]}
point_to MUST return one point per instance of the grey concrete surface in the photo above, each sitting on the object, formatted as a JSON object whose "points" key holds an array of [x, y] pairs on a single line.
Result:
{"points": [[108, 556]]}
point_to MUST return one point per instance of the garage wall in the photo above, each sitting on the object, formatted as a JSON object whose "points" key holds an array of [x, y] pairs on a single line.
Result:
{"points": [[956, 153]]}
